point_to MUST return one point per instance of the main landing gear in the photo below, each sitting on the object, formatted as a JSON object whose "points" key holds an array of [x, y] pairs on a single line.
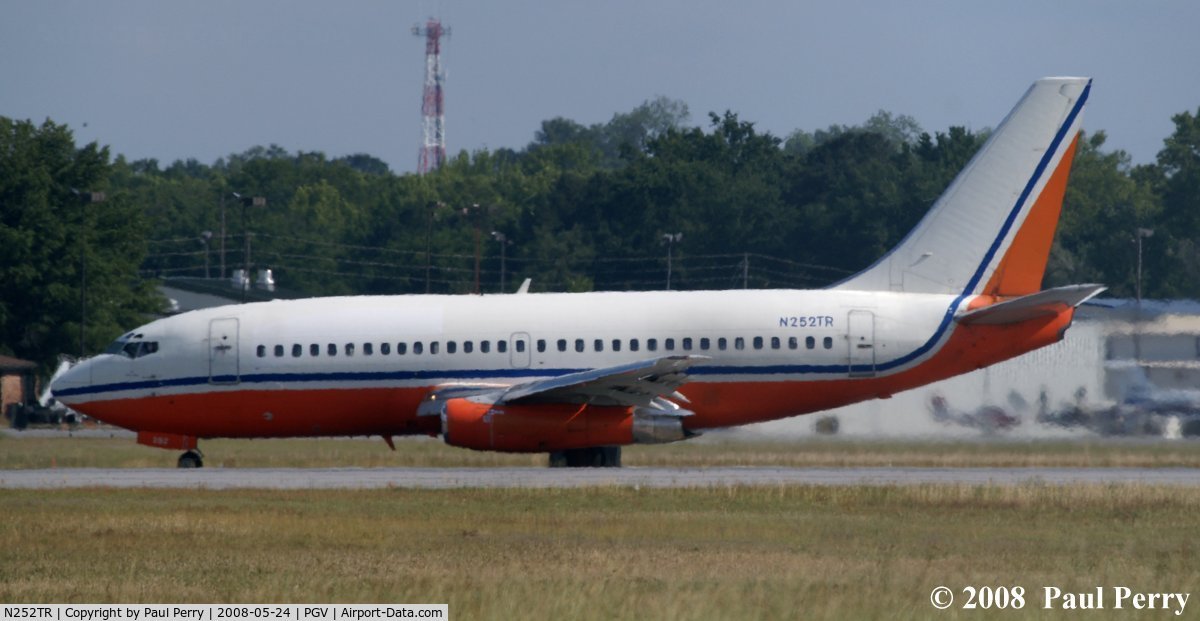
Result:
{"points": [[192, 459], [593, 457]]}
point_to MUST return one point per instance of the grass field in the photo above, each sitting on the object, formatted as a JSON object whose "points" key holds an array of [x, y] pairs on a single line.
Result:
{"points": [[600, 553], [17, 451]]}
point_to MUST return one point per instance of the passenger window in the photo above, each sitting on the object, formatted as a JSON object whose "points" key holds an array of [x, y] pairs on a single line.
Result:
{"points": [[485, 346], [704, 343], [758, 342], [793, 342], [418, 348], [633, 344], [722, 344], [401, 349], [368, 349], [314, 350], [810, 342], [579, 345], [433, 348], [598, 345], [331, 349], [131, 350], [468, 347], [451, 347], [616, 344], [520, 346], [775, 342], [541, 345], [669, 344], [349, 349], [279, 351], [385, 349], [501, 347], [829, 342], [687, 343], [297, 350], [562, 344], [739, 343], [651, 344]]}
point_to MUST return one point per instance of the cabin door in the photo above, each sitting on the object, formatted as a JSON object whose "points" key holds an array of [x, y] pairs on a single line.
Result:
{"points": [[860, 338], [223, 351]]}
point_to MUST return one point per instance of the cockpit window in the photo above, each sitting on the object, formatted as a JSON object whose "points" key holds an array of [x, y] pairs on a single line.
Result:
{"points": [[132, 349]]}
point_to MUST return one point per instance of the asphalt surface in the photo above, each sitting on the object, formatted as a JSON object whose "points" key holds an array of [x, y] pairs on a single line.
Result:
{"points": [[454, 478]]}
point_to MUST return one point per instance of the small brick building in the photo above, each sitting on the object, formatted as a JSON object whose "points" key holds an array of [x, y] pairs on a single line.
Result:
{"points": [[18, 382]]}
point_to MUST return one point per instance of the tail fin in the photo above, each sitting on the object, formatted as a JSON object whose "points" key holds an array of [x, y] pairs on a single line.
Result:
{"points": [[990, 231]]}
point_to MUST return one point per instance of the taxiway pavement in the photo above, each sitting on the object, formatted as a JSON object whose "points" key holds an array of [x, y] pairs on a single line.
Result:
{"points": [[451, 478]]}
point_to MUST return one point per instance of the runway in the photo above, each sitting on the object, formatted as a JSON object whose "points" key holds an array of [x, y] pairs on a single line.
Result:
{"points": [[545, 478]]}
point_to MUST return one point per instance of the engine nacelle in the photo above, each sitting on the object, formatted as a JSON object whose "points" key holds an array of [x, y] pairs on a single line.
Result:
{"points": [[540, 428]]}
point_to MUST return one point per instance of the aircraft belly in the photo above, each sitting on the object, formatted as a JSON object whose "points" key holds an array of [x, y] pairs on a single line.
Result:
{"points": [[272, 413]]}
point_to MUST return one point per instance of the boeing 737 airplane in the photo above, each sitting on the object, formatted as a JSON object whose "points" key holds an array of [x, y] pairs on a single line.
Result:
{"points": [[578, 375]]}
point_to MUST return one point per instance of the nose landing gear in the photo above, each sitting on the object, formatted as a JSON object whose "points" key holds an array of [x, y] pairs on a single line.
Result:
{"points": [[193, 458]]}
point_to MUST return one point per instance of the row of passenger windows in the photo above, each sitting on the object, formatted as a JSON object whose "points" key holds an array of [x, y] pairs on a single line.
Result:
{"points": [[579, 345]]}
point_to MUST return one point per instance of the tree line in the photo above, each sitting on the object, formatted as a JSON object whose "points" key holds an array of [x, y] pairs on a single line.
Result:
{"points": [[580, 208]]}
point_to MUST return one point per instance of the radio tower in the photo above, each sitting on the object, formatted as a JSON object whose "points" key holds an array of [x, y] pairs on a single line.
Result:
{"points": [[433, 125]]}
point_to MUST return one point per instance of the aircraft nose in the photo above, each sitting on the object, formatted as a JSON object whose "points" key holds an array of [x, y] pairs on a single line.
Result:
{"points": [[67, 386]]}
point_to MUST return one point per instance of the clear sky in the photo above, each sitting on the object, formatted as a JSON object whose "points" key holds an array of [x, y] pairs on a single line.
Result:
{"points": [[170, 80]]}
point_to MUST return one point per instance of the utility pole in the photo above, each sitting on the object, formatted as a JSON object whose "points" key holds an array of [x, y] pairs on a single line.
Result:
{"points": [[428, 236], [1140, 234], [475, 213], [500, 237], [746, 270], [671, 239], [222, 275], [205, 238]]}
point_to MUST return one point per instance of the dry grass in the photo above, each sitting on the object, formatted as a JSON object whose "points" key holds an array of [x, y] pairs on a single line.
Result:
{"points": [[598, 553], [40, 452]]}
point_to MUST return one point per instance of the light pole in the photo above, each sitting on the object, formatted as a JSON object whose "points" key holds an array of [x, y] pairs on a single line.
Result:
{"points": [[85, 198], [671, 239], [205, 238], [477, 214], [500, 237], [429, 236], [247, 201], [1141, 234]]}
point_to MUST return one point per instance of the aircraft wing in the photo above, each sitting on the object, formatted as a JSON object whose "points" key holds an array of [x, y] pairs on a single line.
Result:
{"points": [[633, 384], [638, 384]]}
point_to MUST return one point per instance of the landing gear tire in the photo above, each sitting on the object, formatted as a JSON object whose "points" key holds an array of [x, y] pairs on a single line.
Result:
{"points": [[592, 457], [191, 459]]}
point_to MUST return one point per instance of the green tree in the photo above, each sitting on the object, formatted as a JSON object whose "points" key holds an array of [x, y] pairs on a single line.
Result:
{"points": [[1176, 273], [53, 230]]}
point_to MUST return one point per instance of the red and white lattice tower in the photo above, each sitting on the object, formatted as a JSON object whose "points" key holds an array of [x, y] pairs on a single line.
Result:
{"points": [[433, 141]]}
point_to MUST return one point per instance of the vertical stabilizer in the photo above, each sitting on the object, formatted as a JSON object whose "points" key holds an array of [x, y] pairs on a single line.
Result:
{"points": [[991, 230]]}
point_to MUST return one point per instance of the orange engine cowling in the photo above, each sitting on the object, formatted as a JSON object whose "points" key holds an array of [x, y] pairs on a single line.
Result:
{"points": [[535, 428]]}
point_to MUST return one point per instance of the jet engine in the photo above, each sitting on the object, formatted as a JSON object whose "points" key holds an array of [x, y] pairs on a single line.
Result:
{"points": [[539, 428]]}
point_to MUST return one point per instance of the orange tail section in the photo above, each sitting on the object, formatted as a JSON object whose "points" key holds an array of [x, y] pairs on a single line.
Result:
{"points": [[1020, 271]]}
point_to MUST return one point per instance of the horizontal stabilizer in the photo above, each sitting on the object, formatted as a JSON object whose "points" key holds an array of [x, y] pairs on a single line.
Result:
{"points": [[1024, 308]]}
